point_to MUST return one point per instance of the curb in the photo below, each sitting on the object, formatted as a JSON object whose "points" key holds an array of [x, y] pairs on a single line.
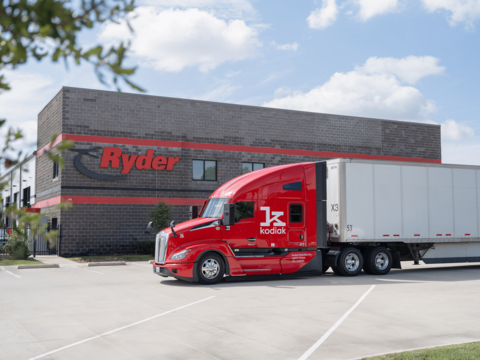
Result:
{"points": [[107, 263], [151, 261], [38, 266]]}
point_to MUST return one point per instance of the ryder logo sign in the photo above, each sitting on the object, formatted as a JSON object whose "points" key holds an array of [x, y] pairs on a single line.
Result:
{"points": [[272, 216], [112, 157]]}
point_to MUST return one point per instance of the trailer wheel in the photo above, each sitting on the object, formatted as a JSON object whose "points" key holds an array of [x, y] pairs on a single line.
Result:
{"points": [[366, 263], [350, 262], [379, 261], [210, 268]]}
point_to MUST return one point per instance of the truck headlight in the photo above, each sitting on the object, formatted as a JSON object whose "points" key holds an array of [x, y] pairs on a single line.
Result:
{"points": [[180, 255]]}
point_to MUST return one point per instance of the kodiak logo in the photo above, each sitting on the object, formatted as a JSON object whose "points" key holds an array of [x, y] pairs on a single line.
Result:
{"points": [[112, 157], [279, 226]]}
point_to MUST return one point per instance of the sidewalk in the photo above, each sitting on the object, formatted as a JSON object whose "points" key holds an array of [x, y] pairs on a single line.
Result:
{"points": [[54, 259]]}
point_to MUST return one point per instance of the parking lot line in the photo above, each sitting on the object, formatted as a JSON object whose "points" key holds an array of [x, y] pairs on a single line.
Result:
{"points": [[332, 329], [11, 273], [98, 272], [120, 328]]}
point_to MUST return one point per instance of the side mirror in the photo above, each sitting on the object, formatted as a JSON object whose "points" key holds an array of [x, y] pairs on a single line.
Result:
{"points": [[150, 227], [172, 225], [229, 214]]}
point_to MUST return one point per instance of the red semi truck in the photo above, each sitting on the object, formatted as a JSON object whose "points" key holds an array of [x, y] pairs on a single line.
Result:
{"points": [[300, 219]]}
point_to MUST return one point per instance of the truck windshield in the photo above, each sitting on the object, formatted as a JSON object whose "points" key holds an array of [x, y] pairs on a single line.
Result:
{"points": [[214, 208]]}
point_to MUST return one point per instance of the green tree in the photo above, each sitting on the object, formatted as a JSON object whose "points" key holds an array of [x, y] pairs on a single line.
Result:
{"points": [[160, 216], [42, 29]]}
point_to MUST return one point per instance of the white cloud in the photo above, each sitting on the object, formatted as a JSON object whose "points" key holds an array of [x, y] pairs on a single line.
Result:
{"points": [[467, 11], [371, 8], [409, 69], [453, 131], [171, 40], [323, 17], [365, 92], [291, 47], [228, 9], [467, 153]]}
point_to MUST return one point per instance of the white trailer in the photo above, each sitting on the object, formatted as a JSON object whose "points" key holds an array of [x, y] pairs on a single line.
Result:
{"points": [[419, 211]]}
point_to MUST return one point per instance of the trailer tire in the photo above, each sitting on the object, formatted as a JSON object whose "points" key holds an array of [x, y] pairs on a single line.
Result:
{"points": [[350, 262], [366, 263], [336, 271], [379, 260], [210, 269]]}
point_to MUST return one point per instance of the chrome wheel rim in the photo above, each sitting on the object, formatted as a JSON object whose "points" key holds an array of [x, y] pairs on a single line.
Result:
{"points": [[210, 268], [381, 261], [352, 262]]}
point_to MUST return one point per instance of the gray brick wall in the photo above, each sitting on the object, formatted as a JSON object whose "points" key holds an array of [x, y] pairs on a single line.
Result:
{"points": [[103, 228]]}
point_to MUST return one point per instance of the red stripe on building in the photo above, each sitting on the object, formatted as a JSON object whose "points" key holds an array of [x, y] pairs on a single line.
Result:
{"points": [[57, 141], [236, 148], [116, 200]]}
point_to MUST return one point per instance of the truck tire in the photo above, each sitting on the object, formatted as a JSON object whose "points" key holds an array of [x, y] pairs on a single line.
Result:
{"points": [[366, 263], [350, 262], [336, 271], [210, 269], [379, 260]]}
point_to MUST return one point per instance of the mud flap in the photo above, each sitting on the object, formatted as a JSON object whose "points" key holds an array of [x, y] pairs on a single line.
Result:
{"points": [[331, 258], [396, 260]]}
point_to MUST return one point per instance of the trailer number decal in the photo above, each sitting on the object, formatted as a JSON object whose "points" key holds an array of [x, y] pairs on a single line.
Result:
{"points": [[334, 207], [349, 227]]}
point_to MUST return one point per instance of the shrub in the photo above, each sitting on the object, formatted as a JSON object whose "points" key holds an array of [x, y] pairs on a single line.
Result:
{"points": [[17, 246], [160, 216], [145, 247]]}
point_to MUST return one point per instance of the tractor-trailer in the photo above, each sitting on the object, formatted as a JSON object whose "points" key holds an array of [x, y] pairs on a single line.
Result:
{"points": [[300, 219]]}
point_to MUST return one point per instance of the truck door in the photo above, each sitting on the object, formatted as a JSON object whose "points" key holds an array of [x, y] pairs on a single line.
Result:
{"points": [[242, 234], [296, 224]]}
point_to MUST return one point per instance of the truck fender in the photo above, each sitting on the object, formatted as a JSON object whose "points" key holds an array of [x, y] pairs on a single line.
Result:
{"points": [[331, 258], [227, 266]]}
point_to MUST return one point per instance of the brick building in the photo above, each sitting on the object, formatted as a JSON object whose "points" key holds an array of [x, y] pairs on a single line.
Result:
{"points": [[181, 151]]}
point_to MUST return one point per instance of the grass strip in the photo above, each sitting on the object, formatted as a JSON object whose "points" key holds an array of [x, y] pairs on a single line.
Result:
{"points": [[19, 262], [470, 351], [112, 258]]}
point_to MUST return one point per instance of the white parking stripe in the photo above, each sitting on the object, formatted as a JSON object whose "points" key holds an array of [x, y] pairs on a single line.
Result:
{"points": [[398, 280], [121, 328], [332, 329], [11, 273], [75, 267]]}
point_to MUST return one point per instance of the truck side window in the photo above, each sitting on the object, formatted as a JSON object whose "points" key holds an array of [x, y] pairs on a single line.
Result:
{"points": [[296, 214], [293, 186], [243, 210]]}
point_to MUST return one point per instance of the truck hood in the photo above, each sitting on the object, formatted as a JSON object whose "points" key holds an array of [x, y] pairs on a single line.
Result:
{"points": [[188, 225]]}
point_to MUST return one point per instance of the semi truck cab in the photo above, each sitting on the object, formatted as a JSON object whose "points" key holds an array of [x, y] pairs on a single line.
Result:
{"points": [[267, 222]]}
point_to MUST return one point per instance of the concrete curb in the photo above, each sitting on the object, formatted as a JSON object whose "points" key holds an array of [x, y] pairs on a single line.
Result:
{"points": [[38, 266], [107, 263]]}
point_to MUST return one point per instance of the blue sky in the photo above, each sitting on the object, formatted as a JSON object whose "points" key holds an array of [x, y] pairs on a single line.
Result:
{"points": [[411, 60]]}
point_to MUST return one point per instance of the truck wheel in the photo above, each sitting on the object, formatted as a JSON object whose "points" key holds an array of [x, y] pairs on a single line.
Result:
{"points": [[366, 263], [350, 262], [336, 271], [379, 261], [210, 268]]}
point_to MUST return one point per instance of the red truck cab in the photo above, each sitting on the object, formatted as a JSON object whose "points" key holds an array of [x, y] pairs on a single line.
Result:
{"points": [[267, 222]]}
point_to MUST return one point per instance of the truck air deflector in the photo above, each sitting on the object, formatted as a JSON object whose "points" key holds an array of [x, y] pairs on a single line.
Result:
{"points": [[321, 185]]}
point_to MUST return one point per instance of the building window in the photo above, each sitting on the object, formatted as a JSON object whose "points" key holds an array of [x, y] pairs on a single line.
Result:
{"points": [[26, 197], [205, 170], [55, 170], [247, 167], [296, 214]]}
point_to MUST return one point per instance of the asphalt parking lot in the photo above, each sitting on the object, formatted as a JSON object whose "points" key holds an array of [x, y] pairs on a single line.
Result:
{"points": [[127, 312]]}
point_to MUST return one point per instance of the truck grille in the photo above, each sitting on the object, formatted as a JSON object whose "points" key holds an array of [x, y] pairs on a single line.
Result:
{"points": [[161, 243]]}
